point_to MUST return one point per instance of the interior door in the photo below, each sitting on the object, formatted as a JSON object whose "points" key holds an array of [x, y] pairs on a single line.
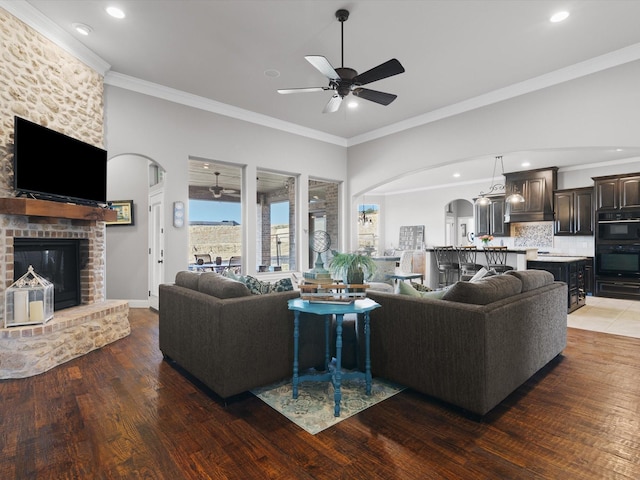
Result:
{"points": [[156, 245]]}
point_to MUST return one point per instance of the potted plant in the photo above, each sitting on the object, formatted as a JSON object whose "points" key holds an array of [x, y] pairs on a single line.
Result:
{"points": [[352, 268]]}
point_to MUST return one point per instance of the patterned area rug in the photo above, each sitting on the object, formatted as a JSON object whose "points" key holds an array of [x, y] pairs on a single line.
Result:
{"points": [[313, 409]]}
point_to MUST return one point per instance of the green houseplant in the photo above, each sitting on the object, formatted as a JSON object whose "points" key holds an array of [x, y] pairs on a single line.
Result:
{"points": [[352, 268]]}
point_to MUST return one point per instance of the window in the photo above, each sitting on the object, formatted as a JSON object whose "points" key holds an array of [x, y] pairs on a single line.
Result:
{"points": [[368, 228], [214, 214], [323, 215], [275, 246]]}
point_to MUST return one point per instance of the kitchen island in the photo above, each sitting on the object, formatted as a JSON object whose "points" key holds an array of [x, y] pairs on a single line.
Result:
{"points": [[570, 270], [516, 258]]}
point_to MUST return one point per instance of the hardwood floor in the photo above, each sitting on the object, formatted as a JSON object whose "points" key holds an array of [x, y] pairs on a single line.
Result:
{"points": [[121, 412]]}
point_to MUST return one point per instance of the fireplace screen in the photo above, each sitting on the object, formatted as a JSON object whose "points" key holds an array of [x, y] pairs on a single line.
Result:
{"points": [[57, 260]]}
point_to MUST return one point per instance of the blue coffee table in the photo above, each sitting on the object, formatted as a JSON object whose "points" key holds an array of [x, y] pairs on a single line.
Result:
{"points": [[334, 375]]}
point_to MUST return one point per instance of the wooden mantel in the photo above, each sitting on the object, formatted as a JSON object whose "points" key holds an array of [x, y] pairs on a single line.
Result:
{"points": [[46, 208]]}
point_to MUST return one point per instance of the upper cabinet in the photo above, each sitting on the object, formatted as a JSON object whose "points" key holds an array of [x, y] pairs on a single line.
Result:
{"points": [[537, 187], [573, 211], [490, 218], [617, 191]]}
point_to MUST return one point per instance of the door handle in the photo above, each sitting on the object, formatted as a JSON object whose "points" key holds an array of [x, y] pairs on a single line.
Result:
{"points": [[160, 261]]}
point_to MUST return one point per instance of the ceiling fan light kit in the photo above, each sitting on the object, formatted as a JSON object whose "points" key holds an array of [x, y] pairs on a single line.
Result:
{"points": [[345, 80]]}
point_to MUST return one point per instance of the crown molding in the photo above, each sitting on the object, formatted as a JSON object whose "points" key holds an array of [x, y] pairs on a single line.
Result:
{"points": [[178, 96]]}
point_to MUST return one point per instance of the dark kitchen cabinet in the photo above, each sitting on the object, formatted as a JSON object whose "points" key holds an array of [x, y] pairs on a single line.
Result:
{"points": [[490, 218], [617, 192], [537, 187], [573, 211], [570, 271], [589, 279]]}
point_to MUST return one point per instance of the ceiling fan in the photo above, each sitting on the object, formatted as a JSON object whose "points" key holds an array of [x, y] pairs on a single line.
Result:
{"points": [[346, 80], [218, 190]]}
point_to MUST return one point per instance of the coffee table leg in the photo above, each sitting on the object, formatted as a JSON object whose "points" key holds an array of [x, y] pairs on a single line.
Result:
{"points": [[327, 324], [367, 361], [296, 335], [337, 375]]}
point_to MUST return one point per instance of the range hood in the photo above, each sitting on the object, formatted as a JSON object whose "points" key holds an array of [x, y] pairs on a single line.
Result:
{"points": [[536, 186]]}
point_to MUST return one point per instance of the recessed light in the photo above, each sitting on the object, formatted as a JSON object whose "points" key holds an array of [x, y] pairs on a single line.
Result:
{"points": [[456, 175], [82, 29], [352, 104], [559, 17], [526, 164], [115, 12], [272, 72]]}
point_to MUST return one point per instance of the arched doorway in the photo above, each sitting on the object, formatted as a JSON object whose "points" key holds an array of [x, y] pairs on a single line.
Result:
{"points": [[459, 222]]}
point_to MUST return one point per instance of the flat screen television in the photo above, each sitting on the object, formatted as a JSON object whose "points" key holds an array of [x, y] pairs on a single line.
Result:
{"points": [[52, 166]]}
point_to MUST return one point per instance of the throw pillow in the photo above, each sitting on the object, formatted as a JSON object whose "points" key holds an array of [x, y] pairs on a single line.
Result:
{"points": [[420, 287], [434, 293], [406, 289], [258, 287]]}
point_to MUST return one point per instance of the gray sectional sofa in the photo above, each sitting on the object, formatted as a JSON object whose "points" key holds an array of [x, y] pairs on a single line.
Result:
{"points": [[229, 339], [471, 348], [476, 344]]}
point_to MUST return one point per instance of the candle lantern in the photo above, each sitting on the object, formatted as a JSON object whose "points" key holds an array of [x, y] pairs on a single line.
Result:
{"points": [[28, 301]]}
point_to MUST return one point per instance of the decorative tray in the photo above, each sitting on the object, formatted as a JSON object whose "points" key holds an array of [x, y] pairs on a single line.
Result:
{"points": [[336, 293]]}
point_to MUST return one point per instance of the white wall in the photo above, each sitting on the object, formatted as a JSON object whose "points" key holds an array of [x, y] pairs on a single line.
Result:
{"points": [[169, 134], [127, 180]]}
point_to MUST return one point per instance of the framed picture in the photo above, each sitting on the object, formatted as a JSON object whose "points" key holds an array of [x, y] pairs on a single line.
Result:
{"points": [[124, 210]]}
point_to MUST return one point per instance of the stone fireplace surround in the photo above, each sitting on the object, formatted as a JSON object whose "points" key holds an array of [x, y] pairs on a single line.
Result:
{"points": [[33, 349]]}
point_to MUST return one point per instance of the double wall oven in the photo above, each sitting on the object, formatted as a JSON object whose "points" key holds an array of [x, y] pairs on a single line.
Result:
{"points": [[617, 261]]}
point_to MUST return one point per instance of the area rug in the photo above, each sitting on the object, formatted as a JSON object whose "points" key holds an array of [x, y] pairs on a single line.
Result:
{"points": [[313, 409]]}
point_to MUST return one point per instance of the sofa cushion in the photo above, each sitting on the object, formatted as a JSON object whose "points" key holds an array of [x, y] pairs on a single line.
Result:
{"points": [[485, 291], [220, 286], [187, 279], [532, 279]]}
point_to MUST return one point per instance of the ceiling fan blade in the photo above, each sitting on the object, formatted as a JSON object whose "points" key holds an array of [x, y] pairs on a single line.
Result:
{"points": [[323, 65], [373, 95], [302, 90], [384, 70], [333, 105]]}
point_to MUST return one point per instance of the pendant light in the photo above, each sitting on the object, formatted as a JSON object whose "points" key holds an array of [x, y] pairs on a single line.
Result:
{"points": [[512, 198]]}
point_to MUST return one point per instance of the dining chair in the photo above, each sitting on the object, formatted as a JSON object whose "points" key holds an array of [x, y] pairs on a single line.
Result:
{"points": [[497, 258], [467, 261], [448, 267]]}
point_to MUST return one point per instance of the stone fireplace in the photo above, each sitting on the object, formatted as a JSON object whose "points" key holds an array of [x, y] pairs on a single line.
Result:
{"points": [[32, 349]]}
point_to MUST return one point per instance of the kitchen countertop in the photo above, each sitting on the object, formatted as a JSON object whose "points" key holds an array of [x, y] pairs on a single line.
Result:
{"points": [[558, 259]]}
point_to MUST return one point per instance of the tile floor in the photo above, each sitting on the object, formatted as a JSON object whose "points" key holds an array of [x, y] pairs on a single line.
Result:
{"points": [[609, 315]]}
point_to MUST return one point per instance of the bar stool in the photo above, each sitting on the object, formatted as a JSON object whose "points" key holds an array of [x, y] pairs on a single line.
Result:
{"points": [[467, 261], [448, 268], [497, 259]]}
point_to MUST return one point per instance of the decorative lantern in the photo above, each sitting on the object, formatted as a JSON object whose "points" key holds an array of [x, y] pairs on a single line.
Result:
{"points": [[28, 301]]}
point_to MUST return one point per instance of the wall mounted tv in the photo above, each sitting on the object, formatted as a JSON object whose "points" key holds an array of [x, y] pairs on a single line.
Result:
{"points": [[52, 166]]}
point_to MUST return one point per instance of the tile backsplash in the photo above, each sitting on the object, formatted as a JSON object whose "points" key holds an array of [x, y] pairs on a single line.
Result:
{"points": [[533, 234], [540, 235]]}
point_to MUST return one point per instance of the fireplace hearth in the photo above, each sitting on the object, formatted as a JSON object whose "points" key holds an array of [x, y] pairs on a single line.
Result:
{"points": [[75, 330]]}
